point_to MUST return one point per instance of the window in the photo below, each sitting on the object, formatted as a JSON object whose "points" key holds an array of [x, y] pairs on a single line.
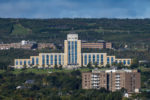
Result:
{"points": [[59, 59], [62, 59], [32, 60], [24, 62], [75, 52], [43, 59], [85, 59], [37, 61], [55, 59], [51, 59], [93, 59], [124, 62], [69, 52], [107, 60], [20, 62], [82, 58], [29, 62], [112, 59], [98, 59], [116, 61], [120, 61], [89, 58], [16, 62], [47, 59], [128, 62], [101, 59]]}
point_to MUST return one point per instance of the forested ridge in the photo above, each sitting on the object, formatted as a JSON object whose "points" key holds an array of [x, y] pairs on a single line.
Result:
{"points": [[48, 30]]}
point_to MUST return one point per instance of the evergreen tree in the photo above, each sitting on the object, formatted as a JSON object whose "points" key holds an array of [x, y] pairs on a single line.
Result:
{"points": [[89, 65], [56, 67], [135, 63]]}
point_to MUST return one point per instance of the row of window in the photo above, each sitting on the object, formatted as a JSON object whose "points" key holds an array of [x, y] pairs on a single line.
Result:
{"points": [[36, 60], [52, 60], [23, 62], [109, 60], [124, 62], [72, 52], [94, 59]]}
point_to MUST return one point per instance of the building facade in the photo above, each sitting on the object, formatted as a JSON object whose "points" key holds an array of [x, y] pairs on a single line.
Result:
{"points": [[101, 45], [72, 56], [46, 45], [27, 45], [112, 80]]}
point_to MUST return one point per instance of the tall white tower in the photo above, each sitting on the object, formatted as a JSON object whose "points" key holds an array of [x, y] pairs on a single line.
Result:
{"points": [[72, 50]]}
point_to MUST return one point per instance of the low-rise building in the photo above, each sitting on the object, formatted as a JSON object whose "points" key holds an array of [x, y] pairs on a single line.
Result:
{"points": [[46, 45], [27, 45], [98, 45], [21, 45], [72, 57]]}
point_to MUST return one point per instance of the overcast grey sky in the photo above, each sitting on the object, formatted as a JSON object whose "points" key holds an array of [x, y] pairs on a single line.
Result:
{"points": [[75, 8]]}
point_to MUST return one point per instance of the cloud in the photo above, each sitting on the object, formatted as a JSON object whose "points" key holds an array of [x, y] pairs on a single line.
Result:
{"points": [[74, 8]]}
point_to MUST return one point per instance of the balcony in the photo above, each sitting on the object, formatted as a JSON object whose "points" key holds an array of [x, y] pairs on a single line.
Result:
{"points": [[95, 76], [117, 76], [117, 81], [95, 79], [95, 85], [118, 88], [117, 85], [95, 82]]}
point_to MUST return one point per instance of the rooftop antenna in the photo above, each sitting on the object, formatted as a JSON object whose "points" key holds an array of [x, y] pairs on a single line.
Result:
{"points": [[72, 31]]}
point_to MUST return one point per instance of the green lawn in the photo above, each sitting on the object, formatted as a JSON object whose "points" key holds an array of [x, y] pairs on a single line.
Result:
{"points": [[44, 71], [38, 71]]}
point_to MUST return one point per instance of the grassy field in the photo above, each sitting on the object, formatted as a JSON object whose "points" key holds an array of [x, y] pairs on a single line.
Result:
{"points": [[39, 71], [18, 29]]}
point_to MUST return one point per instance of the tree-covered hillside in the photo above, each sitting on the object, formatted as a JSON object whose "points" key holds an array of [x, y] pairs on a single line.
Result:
{"points": [[50, 30]]}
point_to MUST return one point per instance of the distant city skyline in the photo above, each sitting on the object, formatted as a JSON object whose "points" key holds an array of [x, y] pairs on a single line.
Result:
{"points": [[74, 8]]}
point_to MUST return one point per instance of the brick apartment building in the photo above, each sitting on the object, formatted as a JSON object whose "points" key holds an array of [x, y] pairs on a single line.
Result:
{"points": [[99, 45], [15, 46], [46, 45], [112, 80], [27, 45]]}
